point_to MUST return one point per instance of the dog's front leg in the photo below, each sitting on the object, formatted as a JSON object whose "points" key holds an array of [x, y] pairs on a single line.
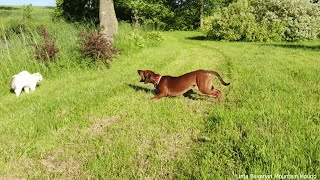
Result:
{"points": [[158, 96]]}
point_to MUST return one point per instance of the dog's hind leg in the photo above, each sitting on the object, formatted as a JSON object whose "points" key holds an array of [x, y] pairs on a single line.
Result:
{"points": [[26, 89], [212, 92], [217, 93]]}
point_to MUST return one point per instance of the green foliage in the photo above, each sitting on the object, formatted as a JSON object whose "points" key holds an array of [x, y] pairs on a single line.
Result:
{"points": [[259, 20], [87, 123], [27, 10], [164, 14], [78, 10], [18, 37], [101, 124], [136, 39], [144, 12], [59, 10], [23, 48], [16, 27], [300, 17], [154, 37], [133, 38], [44, 47], [231, 22]]}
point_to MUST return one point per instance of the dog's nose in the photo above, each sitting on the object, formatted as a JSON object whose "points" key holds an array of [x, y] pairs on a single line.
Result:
{"points": [[139, 71]]}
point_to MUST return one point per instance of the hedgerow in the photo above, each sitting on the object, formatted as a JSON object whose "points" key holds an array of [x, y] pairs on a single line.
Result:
{"points": [[265, 20]]}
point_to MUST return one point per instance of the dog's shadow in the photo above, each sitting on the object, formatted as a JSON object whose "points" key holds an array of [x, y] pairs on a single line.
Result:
{"points": [[146, 90], [12, 91], [191, 94], [194, 95]]}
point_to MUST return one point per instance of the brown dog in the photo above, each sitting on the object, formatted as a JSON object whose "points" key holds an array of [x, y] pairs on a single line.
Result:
{"points": [[173, 86]]}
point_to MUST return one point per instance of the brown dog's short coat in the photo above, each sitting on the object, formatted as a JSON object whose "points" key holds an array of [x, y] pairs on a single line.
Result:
{"points": [[173, 86]]}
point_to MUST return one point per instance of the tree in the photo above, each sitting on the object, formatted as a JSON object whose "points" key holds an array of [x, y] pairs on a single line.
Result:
{"points": [[161, 14], [189, 14], [207, 7], [78, 10], [108, 20], [201, 13]]}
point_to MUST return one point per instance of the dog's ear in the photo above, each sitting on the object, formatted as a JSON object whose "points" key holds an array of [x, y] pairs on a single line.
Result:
{"points": [[141, 74], [147, 78]]}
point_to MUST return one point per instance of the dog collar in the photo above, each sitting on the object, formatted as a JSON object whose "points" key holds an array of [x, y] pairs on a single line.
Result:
{"points": [[157, 80]]}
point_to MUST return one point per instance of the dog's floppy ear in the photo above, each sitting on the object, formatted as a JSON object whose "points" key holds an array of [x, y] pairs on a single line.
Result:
{"points": [[148, 78], [141, 74]]}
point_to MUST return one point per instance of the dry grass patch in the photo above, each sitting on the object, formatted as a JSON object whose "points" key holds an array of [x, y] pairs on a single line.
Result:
{"points": [[55, 163], [11, 177], [17, 168], [163, 150], [100, 124]]}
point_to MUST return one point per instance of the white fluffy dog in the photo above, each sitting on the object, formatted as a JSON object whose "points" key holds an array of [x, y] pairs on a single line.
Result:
{"points": [[25, 80]]}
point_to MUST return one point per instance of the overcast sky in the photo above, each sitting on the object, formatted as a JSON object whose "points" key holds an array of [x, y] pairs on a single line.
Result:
{"points": [[26, 2]]}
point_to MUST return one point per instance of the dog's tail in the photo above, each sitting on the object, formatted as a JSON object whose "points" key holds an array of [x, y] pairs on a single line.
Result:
{"points": [[219, 77]]}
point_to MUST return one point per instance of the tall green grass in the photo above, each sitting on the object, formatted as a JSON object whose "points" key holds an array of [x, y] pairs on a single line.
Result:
{"points": [[19, 35], [269, 123], [87, 121]]}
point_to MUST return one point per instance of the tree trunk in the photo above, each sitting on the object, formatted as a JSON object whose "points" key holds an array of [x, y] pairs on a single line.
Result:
{"points": [[108, 20], [135, 17], [201, 14]]}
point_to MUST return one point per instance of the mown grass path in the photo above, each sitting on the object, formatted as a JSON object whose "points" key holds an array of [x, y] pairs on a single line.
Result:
{"points": [[102, 123]]}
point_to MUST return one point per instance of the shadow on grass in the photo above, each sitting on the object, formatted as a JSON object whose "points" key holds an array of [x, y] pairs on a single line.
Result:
{"points": [[196, 95], [146, 90], [291, 46], [193, 95], [189, 94], [12, 91], [296, 46], [199, 38]]}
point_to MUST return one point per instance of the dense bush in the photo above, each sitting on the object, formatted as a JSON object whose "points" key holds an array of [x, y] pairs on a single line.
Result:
{"points": [[265, 20], [133, 38], [154, 37], [129, 39], [27, 10], [94, 46], [300, 17], [47, 50]]}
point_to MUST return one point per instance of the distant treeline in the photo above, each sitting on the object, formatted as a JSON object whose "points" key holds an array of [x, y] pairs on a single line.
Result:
{"points": [[163, 14], [232, 20]]}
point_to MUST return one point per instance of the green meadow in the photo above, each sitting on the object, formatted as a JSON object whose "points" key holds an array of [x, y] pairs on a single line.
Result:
{"points": [[91, 121]]}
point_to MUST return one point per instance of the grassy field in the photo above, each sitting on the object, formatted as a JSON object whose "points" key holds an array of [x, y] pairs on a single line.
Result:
{"points": [[93, 122]]}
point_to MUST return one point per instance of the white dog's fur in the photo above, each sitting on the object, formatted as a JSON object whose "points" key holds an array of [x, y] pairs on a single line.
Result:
{"points": [[25, 80]]}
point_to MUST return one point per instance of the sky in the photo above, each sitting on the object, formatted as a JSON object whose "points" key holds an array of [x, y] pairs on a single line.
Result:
{"points": [[26, 2]]}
